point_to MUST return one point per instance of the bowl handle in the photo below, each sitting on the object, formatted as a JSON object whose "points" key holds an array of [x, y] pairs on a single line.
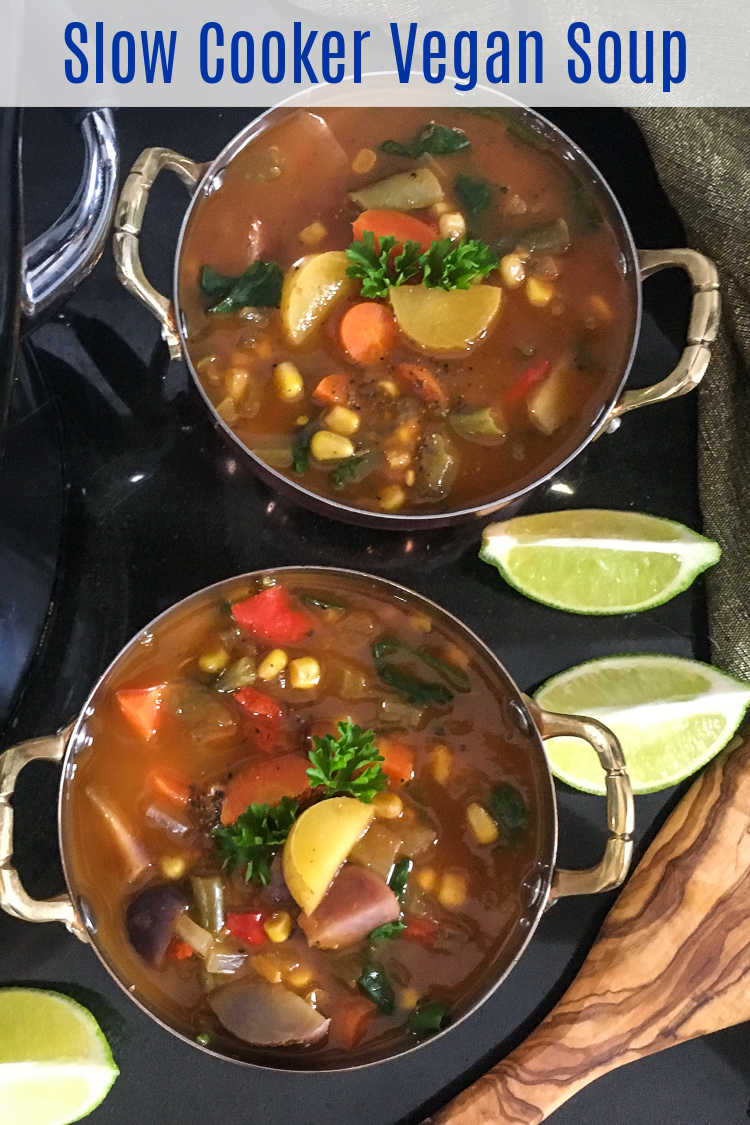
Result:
{"points": [[131, 207], [13, 897], [702, 331], [613, 867]]}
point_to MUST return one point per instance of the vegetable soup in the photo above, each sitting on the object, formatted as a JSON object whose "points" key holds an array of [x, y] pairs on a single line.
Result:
{"points": [[305, 820], [407, 310]]}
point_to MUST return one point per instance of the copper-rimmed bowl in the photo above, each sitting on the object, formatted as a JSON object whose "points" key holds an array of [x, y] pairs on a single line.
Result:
{"points": [[530, 725], [615, 400]]}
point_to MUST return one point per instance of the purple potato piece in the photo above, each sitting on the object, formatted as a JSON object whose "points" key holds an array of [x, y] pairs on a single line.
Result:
{"points": [[267, 1015], [150, 920], [356, 903]]}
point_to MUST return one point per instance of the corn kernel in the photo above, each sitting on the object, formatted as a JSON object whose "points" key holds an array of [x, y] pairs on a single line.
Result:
{"points": [[512, 271], [327, 446], [342, 420], [388, 806], [302, 420], [227, 410], [452, 890], [288, 381], [304, 673], [388, 387], [420, 622], [407, 432], [299, 977], [272, 663], [313, 234], [397, 458], [455, 655], [173, 866], [408, 998], [452, 225], [278, 926], [481, 824], [392, 497], [426, 878], [364, 161], [214, 661], [440, 208], [441, 763], [269, 967], [409, 477], [538, 292]]}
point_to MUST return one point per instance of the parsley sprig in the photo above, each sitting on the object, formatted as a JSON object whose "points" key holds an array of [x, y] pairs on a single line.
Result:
{"points": [[445, 264], [254, 838], [347, 763]]}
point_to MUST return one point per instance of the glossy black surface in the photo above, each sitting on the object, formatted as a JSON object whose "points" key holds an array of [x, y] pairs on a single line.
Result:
{"points": [[158, 506]]}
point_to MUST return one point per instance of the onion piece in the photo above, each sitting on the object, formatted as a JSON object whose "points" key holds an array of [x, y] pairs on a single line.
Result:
{"points": [[200, 940], [164, 820]]}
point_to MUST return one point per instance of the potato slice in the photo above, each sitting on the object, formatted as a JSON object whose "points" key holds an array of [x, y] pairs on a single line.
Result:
{"points": [[440, 320], [311, 288], [406, 191], [558, 398], [318, 844]]}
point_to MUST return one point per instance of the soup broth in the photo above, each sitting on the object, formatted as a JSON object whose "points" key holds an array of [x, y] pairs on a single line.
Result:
{"points": [[380, 897], [414, 384]]}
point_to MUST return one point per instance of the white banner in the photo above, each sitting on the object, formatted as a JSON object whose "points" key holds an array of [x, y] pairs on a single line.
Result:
{"points": [[435, 52]]}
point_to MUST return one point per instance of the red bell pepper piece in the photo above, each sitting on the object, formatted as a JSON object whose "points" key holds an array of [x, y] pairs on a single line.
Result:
{"points": [[264, 717], [179, 950], [424, 930], [273, 616], [531, 377], [247, 926]]}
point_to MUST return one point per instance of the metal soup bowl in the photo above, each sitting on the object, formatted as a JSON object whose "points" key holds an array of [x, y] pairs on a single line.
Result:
{"points": [[543, 883], [636, 265]]}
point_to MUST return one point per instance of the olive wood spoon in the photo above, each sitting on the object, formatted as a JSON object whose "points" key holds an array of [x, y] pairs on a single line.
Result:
{"points": [[671, 962]]}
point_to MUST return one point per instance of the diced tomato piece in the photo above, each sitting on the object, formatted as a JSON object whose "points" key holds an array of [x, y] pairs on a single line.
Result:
{"points": [[247, 926], [350, 1020], [141, 707], [404, 228], [424, 930], [179, 950], [273, 616], [423, 383], [171, 786], [399, 760], [532, 376], [265, 783], [263, 722]]}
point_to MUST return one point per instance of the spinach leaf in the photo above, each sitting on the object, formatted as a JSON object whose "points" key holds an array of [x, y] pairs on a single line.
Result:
{"points": [[586, 213], [413, 690], [259, 287], [375, 984], [320, 603], [386, 931], [400, 877], [475, 195], [427, 1018], [437, 140], [353, 469], [508, 808], [456, 677], [301, 446]]}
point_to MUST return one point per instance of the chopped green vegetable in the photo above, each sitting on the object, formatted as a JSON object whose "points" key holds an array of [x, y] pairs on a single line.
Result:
{"points": [[482, 425], [406, 191], [301, 446], [320, 603], [254, 838], [456, 677], [353, 469], [437, 466], [475, 195], [433, 139], [546, 238], [456, 265], [208, 896], [586, 212], [347, 763], [412, 688], [375, 984], [237, 675], [258, 287], [400, 877], [427, 1018], [387, 931], [508, 808]]}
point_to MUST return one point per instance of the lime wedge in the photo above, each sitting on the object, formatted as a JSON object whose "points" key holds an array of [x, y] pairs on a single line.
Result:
{"points": [[55, 1064], [597, 561], [671, 716]]}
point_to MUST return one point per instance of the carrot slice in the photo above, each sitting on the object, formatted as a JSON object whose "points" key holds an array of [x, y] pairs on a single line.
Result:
{"points": [[334, 390], [367, 332], [265, 782], [171, 786], [179, 950], [141, 707], [399, 760], [422, 381], [404, 228], [350, 1020]]}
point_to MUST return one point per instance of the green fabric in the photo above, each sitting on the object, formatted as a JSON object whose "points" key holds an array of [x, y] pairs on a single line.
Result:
{"points": [[702, 157]]}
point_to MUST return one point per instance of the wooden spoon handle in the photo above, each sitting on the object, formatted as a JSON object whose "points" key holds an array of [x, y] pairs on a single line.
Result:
{"points": [[671, 962]]}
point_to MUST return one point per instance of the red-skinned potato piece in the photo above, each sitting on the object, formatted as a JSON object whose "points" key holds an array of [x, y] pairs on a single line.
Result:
{"points": [[357, 902], [265, 782], [273, 616]]}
